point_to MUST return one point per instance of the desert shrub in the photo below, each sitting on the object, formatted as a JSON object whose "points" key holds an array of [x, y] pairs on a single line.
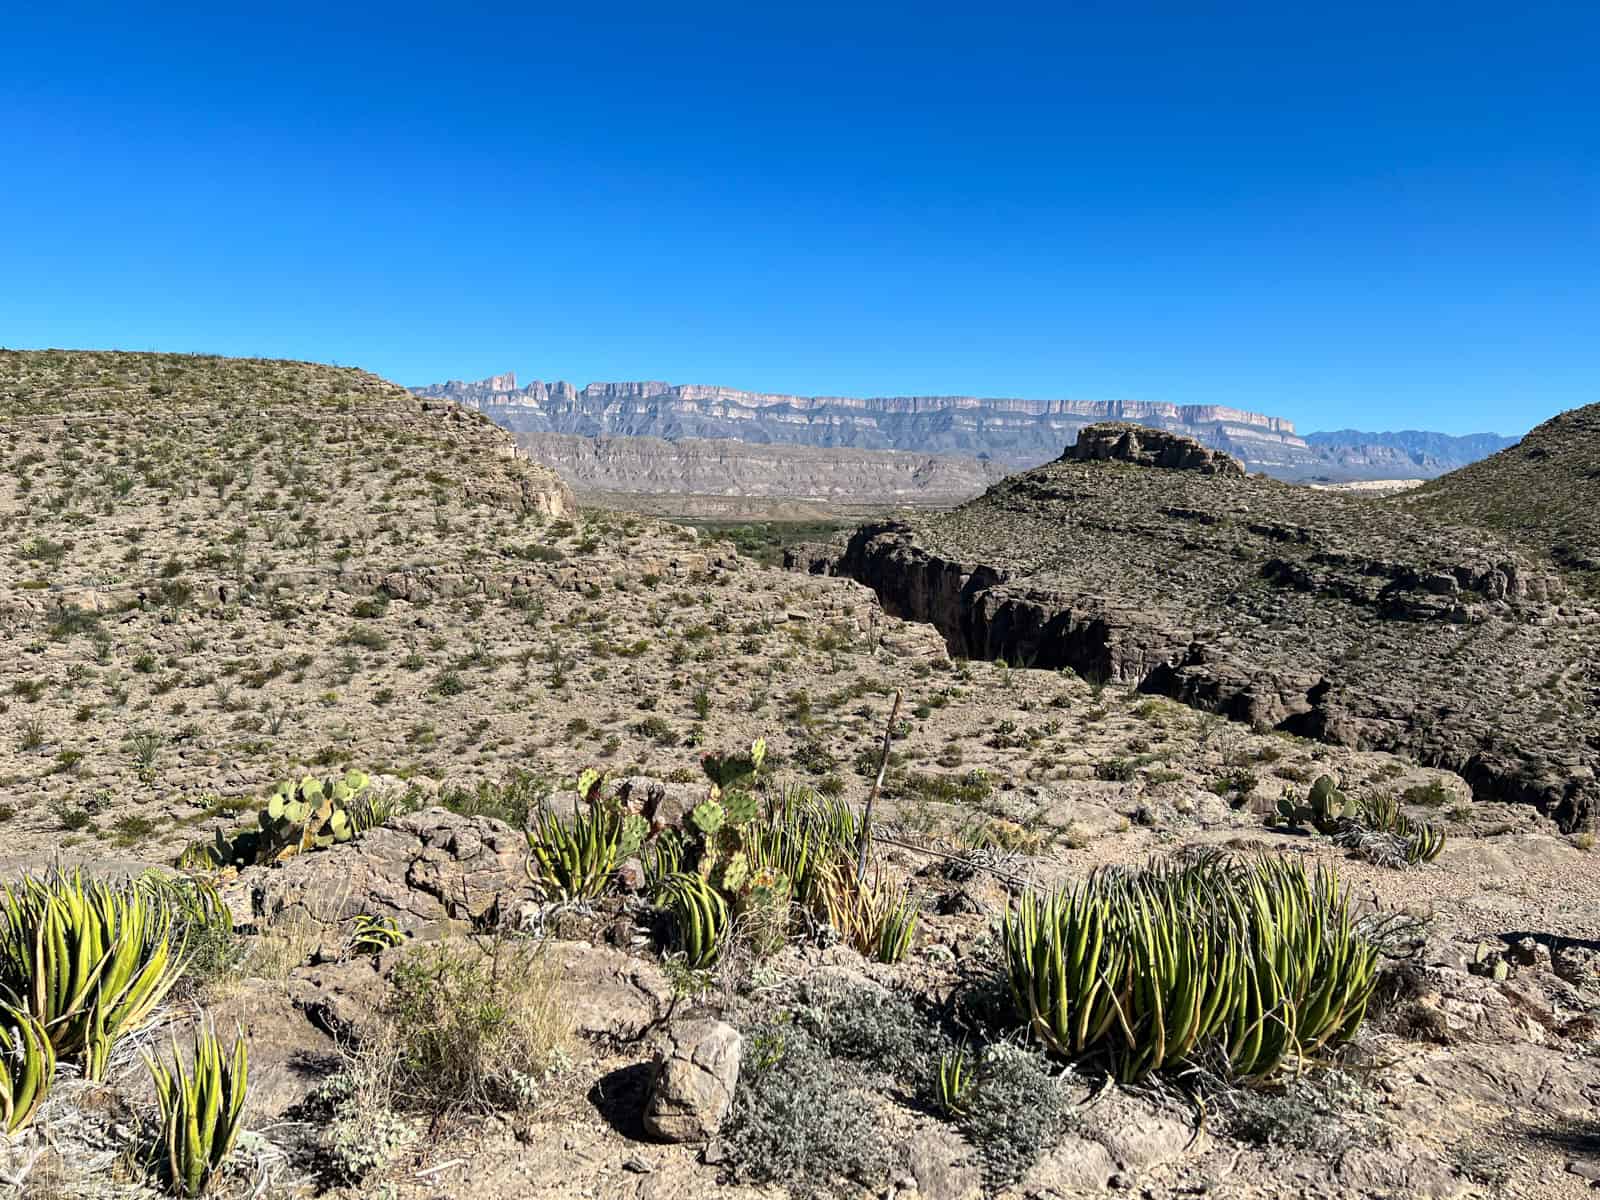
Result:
{"points": [[972, 789], [883, 1031], [803, 1118], [354, 1112], [513, 800], [1117, 770], [1014, 1111], [1433, 794], [1325, 1114], [474, 1025]]}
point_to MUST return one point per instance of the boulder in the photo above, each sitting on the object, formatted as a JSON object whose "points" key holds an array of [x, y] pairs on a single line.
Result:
{"points": [[693, 1078], [944, 1166]]}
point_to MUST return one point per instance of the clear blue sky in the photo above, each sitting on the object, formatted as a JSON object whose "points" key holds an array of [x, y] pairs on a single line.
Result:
{"points": [[1380, 215]]}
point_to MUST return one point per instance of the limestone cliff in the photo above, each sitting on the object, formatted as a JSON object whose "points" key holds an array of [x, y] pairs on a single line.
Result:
{"points": [[1018, 433]]}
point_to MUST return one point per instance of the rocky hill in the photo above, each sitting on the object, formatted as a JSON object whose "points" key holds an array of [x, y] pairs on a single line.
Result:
{"points": [[1544, 491], [1018, 433], [724, 467], [1148, 559]]}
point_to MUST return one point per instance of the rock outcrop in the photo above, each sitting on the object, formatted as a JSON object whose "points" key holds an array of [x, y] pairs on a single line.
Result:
{"points": [[1140, 447], [1333, 616]]}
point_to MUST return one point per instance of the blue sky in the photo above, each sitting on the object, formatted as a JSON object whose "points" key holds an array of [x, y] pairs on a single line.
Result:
{"points": [[1371, 215]]}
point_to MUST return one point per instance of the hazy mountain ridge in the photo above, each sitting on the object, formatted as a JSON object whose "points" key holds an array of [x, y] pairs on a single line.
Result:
{"points": [[1429, 454], [1018, 433]]}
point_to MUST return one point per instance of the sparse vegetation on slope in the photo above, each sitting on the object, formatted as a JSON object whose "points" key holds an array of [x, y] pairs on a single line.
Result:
{"points": [[1544, 493], [611, 788]]}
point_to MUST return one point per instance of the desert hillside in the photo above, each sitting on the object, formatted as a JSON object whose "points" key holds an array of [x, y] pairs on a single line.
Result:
{"points": [[1146, 559], [724, 470], [1544, 491], [527, 847]]}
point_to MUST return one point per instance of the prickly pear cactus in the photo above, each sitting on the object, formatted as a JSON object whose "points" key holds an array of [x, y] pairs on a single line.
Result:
{"points": [[1329, 805], [740, 808], [311, 814], [707, 817], [634, 830]]}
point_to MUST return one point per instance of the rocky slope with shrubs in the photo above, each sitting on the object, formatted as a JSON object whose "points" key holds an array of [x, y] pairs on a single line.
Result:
{"points": [[1544, 492], [523, 848], [1152, 561], [721, 469]]}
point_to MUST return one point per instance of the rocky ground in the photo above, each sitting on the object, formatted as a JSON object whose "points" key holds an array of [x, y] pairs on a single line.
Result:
{"points": [[223, 575]]}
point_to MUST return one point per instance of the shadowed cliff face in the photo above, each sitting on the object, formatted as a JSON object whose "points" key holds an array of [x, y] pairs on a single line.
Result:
{"points": [[1336, 617]]}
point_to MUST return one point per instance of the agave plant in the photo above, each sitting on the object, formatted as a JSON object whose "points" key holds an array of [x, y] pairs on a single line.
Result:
{"points": [[1064, 969], [373, 935], [699, 914], [955, 1082], [27, 1067], [1260, 962], [201, 1110], [576, 860], [1423, 841], [1381, 812], [90, 961]]}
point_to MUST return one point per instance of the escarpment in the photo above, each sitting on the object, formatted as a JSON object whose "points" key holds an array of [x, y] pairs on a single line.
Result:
{"points": [[1341, 618]]}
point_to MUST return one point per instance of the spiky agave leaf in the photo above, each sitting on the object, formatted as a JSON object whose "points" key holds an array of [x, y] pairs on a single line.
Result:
{"points": [[90, 961], [699, 914], [27, 1067]]}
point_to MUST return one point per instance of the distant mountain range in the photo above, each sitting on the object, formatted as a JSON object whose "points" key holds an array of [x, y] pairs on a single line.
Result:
{"points": [[1410, 453], [1010, 433]]}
